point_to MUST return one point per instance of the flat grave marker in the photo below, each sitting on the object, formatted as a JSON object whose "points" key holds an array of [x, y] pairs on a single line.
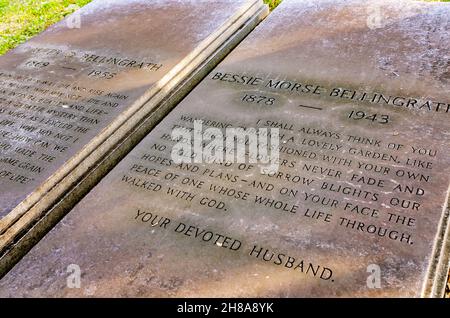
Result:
{"points": [[356, 206]]}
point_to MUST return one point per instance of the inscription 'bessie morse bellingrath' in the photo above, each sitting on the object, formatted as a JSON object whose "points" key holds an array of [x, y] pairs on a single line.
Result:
{"points": [[336, 92], [355, 208]]}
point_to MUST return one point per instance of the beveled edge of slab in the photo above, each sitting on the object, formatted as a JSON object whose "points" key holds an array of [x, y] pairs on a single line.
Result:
{"points": [[39, 220]]}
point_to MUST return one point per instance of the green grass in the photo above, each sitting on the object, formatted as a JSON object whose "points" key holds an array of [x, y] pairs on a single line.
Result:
{"points": [[273, 3], [21, 19]]}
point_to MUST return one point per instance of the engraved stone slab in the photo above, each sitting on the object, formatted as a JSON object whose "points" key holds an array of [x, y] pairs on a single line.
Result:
{"points": [[64, 93], [359, 91]]}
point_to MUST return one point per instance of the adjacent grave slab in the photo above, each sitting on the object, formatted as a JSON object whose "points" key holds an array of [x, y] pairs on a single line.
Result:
{"points": [[71, 94], [359, 91]]}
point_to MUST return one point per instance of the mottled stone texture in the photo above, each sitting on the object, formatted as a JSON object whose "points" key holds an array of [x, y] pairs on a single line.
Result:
{"points": [[359, 91]]}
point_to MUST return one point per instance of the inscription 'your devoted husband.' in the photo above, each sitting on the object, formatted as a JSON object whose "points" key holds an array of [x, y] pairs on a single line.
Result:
{"points": [[362, 179], [219, 240]]}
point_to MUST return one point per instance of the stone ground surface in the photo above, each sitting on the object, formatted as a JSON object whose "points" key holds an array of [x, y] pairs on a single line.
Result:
{"points": [[55, 10]]}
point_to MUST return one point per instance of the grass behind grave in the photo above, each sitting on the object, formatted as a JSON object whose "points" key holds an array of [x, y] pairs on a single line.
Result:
{"points": [[273, 3], [21, 19]]}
